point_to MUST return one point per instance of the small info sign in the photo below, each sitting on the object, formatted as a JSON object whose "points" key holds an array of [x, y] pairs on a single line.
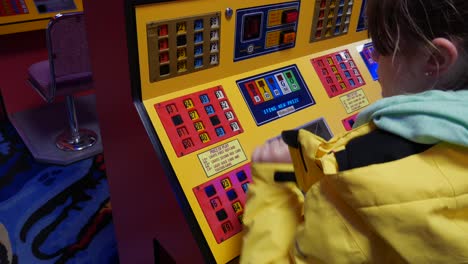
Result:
{"points": [[354, 101], [222, 157]]}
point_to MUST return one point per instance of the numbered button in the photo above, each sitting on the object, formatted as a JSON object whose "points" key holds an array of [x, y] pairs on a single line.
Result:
{"points": [[198, 37], [194, 115], [182, 132], [171, 108], [181, 27], [220, 131], [214, 35], [204, 99], [224, 105], [229, 115], [215, 203], [214, 22], [198, 25], [187, 143], [181, 53], [234, 126], [237, 207], [209, 109], [219, 94], [227, 227], [226, 183], [188, 103], [204, 137], [198, 49], [214, 59], [214, 46], [199, 126]]}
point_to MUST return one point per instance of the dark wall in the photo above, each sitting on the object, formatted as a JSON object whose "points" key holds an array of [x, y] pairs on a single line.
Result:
{"points": [[17, 52]]}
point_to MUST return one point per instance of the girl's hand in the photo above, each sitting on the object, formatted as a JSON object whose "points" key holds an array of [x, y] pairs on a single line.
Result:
{"points": [[272, 151]]}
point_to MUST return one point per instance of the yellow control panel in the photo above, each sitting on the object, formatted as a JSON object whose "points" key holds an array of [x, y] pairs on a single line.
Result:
{"points": [[224, 77], [27, 15]]}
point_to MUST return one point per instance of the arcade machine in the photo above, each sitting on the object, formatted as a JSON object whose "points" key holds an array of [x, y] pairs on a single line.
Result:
{"points": [[211, 80], [27, 15]]}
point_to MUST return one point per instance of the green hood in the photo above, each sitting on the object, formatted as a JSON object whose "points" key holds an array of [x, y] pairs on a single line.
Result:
{"points": [[428, 118]]}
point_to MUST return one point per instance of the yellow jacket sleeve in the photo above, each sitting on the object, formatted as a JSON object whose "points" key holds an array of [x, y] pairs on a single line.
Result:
{"points": [[273, 213]]}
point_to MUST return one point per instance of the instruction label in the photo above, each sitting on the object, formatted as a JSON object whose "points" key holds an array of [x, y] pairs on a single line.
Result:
{"points": [[222, 157], [354, 101]]}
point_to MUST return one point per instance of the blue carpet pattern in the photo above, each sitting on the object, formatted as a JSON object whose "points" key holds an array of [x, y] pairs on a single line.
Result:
{"points": [[51, 213]]}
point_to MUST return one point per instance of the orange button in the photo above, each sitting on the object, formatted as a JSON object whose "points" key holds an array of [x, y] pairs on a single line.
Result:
{"points": [[288, 37]]}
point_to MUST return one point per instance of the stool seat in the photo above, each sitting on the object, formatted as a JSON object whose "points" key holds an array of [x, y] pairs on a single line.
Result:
{"points": [[66, 72], [40, 78]]}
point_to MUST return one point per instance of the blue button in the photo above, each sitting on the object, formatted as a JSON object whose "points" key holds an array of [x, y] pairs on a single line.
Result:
{"points": [[231, 194], [209, 109], [220, 131], [245, 187], [210, 190], [198, 24], [204, 99], [241, 176]]}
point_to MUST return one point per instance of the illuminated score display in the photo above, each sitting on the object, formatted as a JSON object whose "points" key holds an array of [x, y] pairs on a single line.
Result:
{"points": [[275, 94], [266, 29]]}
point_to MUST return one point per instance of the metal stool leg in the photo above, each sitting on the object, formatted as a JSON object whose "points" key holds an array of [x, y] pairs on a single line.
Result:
{"points": [[75, 139]]}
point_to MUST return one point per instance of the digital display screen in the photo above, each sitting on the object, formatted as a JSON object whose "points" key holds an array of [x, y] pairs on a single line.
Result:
{"points": [[252, 25]]}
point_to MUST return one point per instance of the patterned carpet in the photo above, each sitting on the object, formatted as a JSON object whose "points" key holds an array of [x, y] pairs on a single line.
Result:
{"points": [[50, 213]]}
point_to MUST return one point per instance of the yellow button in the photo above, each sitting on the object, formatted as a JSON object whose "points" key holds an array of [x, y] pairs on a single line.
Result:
{"points": [[194, 115], [204, 137], [188, 103], [237, 207], [226, 183]]}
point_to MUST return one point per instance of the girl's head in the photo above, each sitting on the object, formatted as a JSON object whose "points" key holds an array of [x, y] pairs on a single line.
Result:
{"points": [[420, 44]]}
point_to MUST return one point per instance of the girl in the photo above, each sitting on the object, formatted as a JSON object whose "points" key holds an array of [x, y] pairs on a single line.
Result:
{"points": [[393, 190]]}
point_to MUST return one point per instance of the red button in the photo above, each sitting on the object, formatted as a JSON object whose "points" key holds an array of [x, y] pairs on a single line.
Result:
{"points": [[290, 16]]}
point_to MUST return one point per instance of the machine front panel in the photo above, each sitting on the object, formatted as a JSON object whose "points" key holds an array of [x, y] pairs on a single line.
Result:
{"points": [[208, 121]]}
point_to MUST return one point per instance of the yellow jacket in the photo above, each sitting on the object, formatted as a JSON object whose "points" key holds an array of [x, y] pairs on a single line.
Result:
{"points": [[414, 209]]}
